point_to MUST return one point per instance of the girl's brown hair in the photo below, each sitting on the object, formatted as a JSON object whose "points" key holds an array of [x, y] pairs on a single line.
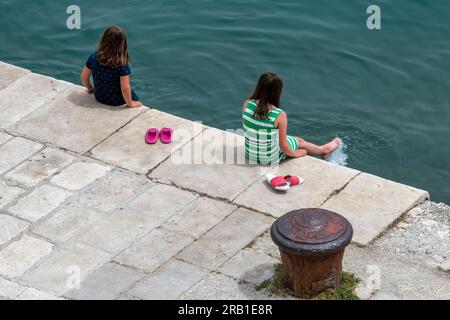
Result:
{"points": [[267, 93], [113, 48]]}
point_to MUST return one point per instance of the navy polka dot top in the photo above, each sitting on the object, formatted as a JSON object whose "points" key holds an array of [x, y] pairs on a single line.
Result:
{"points": [[107, 82]]}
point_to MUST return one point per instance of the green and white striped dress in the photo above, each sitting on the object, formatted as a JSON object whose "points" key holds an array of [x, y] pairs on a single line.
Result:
{"points": [[261, 136]]}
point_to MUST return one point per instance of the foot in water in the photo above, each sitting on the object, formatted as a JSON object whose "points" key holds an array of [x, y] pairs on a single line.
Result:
{"points": [[330, 147]]}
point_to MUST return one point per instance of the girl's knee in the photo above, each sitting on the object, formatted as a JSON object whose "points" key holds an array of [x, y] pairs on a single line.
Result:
{"points": [[300, 140]]}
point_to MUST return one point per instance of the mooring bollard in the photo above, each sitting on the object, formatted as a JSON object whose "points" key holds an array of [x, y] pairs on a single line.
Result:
{"points": [[312, 244]]}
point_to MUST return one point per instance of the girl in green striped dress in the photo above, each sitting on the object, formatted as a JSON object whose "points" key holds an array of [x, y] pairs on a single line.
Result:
{"points": [[265, 127]]}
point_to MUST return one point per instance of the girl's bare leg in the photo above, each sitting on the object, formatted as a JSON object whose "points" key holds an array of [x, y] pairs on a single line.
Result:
{"points": [[315, 150]]}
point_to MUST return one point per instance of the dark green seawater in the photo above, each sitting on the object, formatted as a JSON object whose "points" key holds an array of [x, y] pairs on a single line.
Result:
{"points": [[386, 93]]}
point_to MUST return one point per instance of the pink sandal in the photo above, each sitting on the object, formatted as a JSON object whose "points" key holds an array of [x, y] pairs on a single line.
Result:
{"points": [[151, 136], [166, 135]]}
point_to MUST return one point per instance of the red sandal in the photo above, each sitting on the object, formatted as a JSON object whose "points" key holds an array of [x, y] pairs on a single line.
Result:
{"points": [[278, 183]]}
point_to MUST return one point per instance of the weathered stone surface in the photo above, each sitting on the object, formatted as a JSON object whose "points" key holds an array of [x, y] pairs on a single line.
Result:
{"points": [[220, 287], [8, 193], [54, 274], [15, 151], [39, 203], [445, 266], [70, 221], [75, 121], [127, 147], [158, 247], [26, 95], [226, 239], [265, 245], [322, 179], [80, 175], [128, 298], [9, 289], [250, 266], [199, 165], [21, 255], [169, 282], [148, 211], [198, 217], [34, 294], [10, 227], [161, 202], [39, 167], [9, 74], [4, 137], [371, 204], [114, 190], [107, 283]]}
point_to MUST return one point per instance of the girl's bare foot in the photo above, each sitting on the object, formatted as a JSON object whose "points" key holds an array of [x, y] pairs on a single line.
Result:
{"points": [[330, 147]]}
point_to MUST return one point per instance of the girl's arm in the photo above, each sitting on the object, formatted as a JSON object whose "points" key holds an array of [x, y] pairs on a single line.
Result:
{"points": [[281, 124], [126, 92], [85, 79], [245, 105]]}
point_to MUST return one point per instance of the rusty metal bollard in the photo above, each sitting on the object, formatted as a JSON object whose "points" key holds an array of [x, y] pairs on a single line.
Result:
{"points": [[312, 244]]}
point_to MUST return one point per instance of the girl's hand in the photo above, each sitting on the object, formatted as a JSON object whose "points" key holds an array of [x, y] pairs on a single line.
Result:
{"points": [[90, 89], [135, 104]]}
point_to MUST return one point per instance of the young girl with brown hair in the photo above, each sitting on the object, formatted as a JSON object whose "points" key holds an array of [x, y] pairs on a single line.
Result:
{"points": [[265, 127], [110, 69]]}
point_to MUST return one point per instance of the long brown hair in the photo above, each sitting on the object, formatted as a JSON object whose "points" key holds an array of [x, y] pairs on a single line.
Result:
{"points": [[268, 92], [113, 48]]}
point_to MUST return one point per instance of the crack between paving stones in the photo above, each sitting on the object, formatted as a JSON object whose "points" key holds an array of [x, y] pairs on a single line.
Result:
{"points": [[337, 191], [88, 153], [168, 157]]}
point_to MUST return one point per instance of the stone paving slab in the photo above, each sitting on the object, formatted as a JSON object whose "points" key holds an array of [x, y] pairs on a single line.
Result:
{"points": [[199, 217], [114, 191], [224, 181], [39, 203], [21, 255], [226, 239], [8, 193], [25, 95], [34, 294], [169, 282], [68, 222], [9, 289], [147, 212], [322, 179], [220, 287], [75, 121], [127, 147], [15, 151], [372, 204], [10, 227], [9, 74], [265, 245], [53, 274], [250, 266], [158, 247], [106, 283], [4, 137], [80, 175], [39, 167]]}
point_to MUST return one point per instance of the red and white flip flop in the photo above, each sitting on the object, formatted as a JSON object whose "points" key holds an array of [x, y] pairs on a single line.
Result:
{"points": [[294, 180], [283, 183]]}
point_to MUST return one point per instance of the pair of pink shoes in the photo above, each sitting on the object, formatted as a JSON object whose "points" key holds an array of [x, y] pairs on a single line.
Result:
{"points": [[152, 135]]}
